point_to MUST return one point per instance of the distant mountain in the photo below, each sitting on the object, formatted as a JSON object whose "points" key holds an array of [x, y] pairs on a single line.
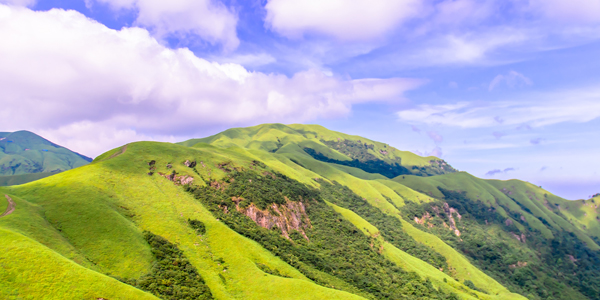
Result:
{"points": [[24, 152]]}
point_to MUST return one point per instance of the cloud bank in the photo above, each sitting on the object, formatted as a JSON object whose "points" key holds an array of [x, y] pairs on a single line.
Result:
{"points": [[74, 75], [535, 110], [212, 21]]}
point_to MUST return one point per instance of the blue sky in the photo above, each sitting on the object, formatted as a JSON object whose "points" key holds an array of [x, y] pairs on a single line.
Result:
{"points": [[500, 89]]}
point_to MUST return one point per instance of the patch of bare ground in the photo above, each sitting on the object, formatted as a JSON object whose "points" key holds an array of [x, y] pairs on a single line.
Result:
{"points": [[119, 152], [10, 208]]}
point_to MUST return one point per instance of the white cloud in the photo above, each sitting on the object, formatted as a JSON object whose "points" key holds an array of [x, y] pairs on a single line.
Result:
{"points": [[512, 79], [536, 110], [350, 21], [18, 2], [72, 74], [572, 11], [210, 20], [247, 60]]}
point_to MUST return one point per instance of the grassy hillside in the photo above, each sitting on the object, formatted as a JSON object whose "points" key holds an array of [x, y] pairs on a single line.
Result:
{"points": [[23, 178], [330, 146], [23, 152], [251, 213], [523, 235]]}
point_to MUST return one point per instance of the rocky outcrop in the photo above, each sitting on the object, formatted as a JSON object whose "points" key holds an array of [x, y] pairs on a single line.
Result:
{"points": [[178, 179], [521, 238], [287, 217], [189, 164], [450, 213]]}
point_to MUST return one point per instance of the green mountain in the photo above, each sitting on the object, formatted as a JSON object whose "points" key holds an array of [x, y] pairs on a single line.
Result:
{"points": [[25, 156], [290, 212]]}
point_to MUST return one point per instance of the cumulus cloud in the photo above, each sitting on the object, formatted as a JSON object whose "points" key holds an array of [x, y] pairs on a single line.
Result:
{"points": [[359, 20], [18, 2], [512, 79], [74, 75], [534, 110], [212, 21]]}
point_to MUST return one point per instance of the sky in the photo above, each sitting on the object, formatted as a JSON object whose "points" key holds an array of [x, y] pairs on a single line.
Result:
{"points": [[501, 89]]}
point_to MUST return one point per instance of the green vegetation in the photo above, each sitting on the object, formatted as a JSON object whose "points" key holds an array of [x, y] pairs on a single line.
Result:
{"points": [[349, 234], [23, 178], [333, 246], [23, 154], [173, 277], [390, 227], [368, 155], [370, 166], [523, 260], [198, 226]]}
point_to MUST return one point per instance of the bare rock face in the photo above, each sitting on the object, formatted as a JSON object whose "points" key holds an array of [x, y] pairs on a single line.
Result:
{"points": [[449, 212], [178, 179], [189, 164], [287, 217]]}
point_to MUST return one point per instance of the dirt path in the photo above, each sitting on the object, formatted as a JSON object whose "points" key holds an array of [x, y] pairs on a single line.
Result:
{"points": [[10, 208], [119, 152]]}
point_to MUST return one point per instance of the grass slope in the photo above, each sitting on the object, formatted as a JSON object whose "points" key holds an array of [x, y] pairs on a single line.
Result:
{"points": [[23, 178], [96, 214], [373, 191], [541, 209], [274, 137]]}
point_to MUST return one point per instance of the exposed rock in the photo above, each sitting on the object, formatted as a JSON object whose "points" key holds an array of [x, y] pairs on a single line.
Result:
{"points": [[150, 173], [152, 162], [449, 211], [169, 166], [290, 216], [384, 152], [178, 180], [518, 237], [508, 222], [423, 219], [189, 164]]}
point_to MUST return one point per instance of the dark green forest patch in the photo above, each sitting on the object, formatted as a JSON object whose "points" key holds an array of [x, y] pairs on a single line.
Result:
{"points": [[172, 277], [370, 166]]}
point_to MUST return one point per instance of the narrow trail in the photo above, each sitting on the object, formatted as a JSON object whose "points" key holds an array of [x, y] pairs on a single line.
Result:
{"points": [[10, 208], [119, 152]]}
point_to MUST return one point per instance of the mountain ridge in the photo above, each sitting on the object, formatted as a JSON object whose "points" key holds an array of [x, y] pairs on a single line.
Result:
{"points": [[26, 156], [448, 236]]}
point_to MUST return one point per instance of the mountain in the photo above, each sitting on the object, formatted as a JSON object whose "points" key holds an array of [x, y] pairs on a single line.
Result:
{"points": [[25, 156], [290, 212]]}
